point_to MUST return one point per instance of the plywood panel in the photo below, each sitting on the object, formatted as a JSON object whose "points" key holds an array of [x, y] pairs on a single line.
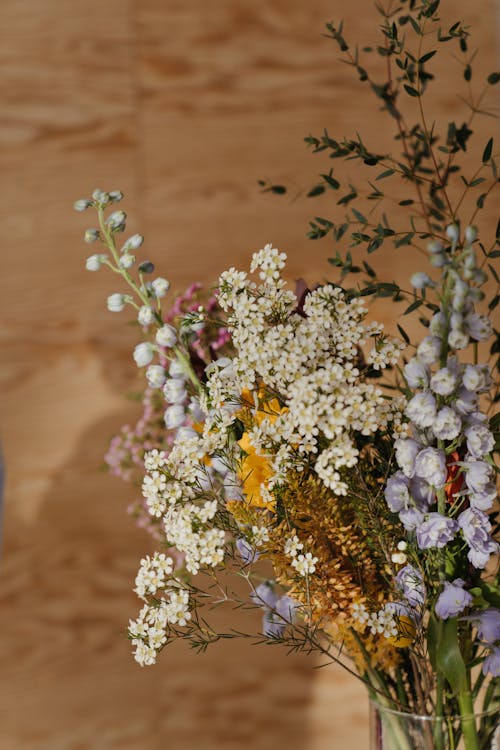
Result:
{"points": [[184, 105]]}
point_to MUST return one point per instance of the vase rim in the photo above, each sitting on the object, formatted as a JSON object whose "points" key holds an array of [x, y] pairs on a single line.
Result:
{"points": [[427, 717]]}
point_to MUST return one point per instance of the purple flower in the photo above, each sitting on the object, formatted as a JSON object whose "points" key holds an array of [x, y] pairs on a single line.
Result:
{"points": [[265, 595], [416, 374], [422, 493], [429, 350], [492, 662], [480, 440], [475, 527], [421, 409], [478, 326], [487, 623], [396, 492], [478, 475], [411, 518], [466, 402], [430, 464], [447, 424], [444, 381], [248, 553], [453, 599], [282, 614], [483, 500], [436, 531], [411, 584], [406, 452], [477, 378]]}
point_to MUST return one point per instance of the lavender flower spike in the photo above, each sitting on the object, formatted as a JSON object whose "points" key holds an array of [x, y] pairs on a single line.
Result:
{"points": [[487, 623]]}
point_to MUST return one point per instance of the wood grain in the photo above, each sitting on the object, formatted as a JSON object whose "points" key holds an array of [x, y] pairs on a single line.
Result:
{"points": [[184, 105]]}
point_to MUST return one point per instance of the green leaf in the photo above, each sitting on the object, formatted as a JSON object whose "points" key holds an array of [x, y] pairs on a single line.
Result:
{"points": [[467, 73], [369, 270], [316, 190], [488, 151], [410, 90], [331, 181], [403, 333], [449, 658], [427, 56], [387, 173], [493, 78], [406, 202], [414, 306], [359, 216], [406, 240]]}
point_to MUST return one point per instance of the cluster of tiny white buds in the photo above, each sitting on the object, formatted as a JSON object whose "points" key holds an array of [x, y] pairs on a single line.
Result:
{"points": [[145, 316], [116, 221], [91, 235], [305, 564]]}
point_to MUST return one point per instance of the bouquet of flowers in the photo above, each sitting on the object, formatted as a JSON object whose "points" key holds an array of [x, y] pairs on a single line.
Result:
{"points": [[345, 475]]}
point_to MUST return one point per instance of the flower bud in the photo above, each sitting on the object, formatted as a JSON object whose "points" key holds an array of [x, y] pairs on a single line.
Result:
{"points": [[420, 280], [470, 235], [115, 196], [453, 233], [155, 375], [82, 204], [166, 336], [435, 247], [116, 302], [94, 262], [174, 391], [146, 267], [116, 221], [174, 416], [143, 354], [133, 243], [127, 260], [160, 287], [145, 316], [91, 235]]}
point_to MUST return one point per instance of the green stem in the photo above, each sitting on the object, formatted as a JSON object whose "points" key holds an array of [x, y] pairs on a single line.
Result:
{"points": [[468, 722]]}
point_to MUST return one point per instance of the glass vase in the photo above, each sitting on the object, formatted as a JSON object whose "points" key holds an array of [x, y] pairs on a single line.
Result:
{"points": [[396, 730]]}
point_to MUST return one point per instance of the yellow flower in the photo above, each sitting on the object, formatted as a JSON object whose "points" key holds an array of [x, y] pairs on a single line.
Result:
{"points": [[254, 471], [406, 632]]}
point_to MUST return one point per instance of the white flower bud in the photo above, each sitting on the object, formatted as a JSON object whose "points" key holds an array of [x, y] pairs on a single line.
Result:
{"points": [[93, 263], [420, 280], [174, 416], [160, 287], [438, 260], [166, 336], [156, 376], [100, 196], [127, 260], [116, 302], [133, 243], [116, 220], [435, 247], [174, 391], [453, 233], [82, 204], [145, 316], [115, 196], [470, 235], [91, 235], [143, 354], [399, 558], [402, 546], [176, 369]]}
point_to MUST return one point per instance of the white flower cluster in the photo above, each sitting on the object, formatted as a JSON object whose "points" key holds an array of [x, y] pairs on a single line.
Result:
{"points": [[304, 564], [148, 632], [382, 622], [311, 357]]}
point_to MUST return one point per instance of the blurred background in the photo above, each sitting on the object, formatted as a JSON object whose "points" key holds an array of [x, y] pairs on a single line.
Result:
{"points": [[183, 105]]}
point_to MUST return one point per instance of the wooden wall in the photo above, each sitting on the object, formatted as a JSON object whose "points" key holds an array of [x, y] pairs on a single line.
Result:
{"points": [[184, 105]]}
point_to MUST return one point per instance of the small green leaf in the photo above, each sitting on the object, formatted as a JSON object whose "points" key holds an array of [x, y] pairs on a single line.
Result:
{"points": [[369, 270], [427, 56], [359, 216], [488, 151], [493, 78], [414, 306], [316, 190], [410, 90], [403, 333], [406, 202], [387, 173], [467, 73]]}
